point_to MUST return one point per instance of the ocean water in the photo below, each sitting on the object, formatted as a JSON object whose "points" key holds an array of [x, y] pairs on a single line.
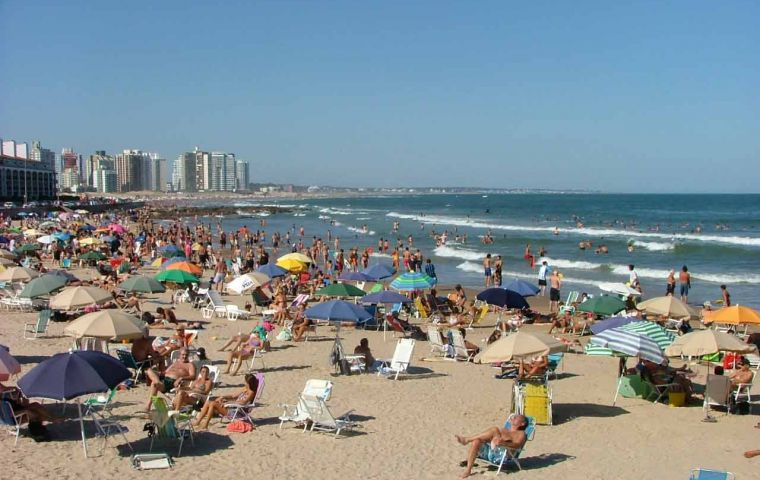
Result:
{"points": [[716, 236]]}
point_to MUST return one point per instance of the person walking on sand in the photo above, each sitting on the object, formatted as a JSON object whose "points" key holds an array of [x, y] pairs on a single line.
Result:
{"points": [[685, 278], [487, 270], [555, 285]]}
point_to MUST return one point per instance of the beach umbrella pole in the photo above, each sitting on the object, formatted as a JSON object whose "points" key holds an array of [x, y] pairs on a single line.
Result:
{"points": [[81, 426], [708, 418]]}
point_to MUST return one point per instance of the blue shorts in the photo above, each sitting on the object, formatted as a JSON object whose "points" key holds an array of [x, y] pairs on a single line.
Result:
{"points": [[488, 272], [684, 289]]}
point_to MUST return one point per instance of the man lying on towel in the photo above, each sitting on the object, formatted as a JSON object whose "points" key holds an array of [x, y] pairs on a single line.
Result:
{"points": [[513, 437]]}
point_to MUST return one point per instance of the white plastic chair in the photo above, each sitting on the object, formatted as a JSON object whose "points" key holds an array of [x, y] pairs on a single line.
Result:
{"points": [[402, 357], [322, 418], [298, 413]]}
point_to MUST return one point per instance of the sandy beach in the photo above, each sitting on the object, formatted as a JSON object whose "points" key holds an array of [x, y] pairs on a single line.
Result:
{"points": [[407, 427]]}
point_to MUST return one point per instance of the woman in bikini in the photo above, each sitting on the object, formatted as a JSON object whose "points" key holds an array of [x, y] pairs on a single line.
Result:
{"points": [[200, 386], [214, 407], [246, 351]]}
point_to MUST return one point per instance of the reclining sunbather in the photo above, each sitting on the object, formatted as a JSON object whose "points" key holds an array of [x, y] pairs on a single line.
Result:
{"points": [[179, 371], [20, 404], [246, 350], [215, 406], [514, 437], [742, 375]]}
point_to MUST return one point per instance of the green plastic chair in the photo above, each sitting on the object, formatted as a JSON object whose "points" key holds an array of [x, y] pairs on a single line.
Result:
{"points": [[172, 427]]}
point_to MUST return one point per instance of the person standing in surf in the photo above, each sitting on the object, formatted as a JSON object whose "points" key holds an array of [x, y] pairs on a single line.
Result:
{"points": [[685, 278], [487, 270], [542, 273], [556, 284]]}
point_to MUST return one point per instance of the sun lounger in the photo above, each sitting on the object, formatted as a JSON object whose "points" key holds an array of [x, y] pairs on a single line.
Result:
{"points": [[402, 357], [234, 313], [503, 457], [215, 305]]}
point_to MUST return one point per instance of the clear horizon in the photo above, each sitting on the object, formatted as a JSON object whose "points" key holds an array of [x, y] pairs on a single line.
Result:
{"points": [[651, 97]]}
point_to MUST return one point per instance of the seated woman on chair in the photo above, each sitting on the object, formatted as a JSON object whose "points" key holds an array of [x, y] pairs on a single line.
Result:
{"points": [[246, 350], [200, 386], [214, 407], [300, 324]]}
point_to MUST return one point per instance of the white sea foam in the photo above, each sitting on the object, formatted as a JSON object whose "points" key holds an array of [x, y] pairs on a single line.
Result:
{"points": [[470, 267], [360, 230], [572, 264], [452, 252], [707, 277], [333, 211], [585, 232], [378, 254], [654, 246], [364, 218]]}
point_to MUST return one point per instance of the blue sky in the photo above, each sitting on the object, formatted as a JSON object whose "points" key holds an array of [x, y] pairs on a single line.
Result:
{"points": [[617, 96]]}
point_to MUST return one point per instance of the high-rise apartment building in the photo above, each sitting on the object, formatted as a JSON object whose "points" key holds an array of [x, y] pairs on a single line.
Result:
{"points": [[97, 161], [105, 180], [130, 174], [183, 174], [26, 175], [157, 174], [242, 175]]}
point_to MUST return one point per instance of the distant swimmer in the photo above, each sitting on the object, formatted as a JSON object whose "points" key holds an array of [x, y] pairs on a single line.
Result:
{"points": [[488, 210], [584, 244], [556, 231], [602, 249], [541, 251]]}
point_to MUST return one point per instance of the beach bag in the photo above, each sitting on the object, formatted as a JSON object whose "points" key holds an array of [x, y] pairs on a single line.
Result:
{"points": [[284, 335], [239, 426]]}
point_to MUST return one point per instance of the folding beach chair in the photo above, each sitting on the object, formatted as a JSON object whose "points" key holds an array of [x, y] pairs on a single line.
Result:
{"points": [[436, 341], [402, 357], [172, 427], [298, 413], [717, 392], [503, 457], [460, 348], [243, 411], [129, 361], [11, 420], [108, 428], [35, 330], [322, 418], [742, 393]]}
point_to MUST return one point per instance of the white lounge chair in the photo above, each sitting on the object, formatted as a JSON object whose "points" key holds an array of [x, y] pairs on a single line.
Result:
{"points": [[297, 413], [234, 313], [717, 392], [742, 392], [436, 342], [402, 357], [322, 418], [460, 349], [215, 305]]}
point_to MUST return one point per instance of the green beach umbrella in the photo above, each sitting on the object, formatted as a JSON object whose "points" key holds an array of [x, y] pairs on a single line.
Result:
{"points": [[44, 285], [412, 281], [93, 256], [656, 333], [27, 247], [142, 284], [602, 305], [340, 290], [176, 276]]}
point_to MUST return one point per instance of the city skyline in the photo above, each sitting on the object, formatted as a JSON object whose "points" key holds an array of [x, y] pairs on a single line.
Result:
{"points": [[651, 96]]}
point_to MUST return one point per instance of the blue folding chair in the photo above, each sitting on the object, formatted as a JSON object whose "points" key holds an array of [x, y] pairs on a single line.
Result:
{"points": [[502, 457], [703, 474]]}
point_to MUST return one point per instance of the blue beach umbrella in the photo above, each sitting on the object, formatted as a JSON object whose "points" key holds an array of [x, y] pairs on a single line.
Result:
{"points": [[410, 281], [338, 311], [87, 228], [168, 251], [356, 277], [70, 375], [522, 287], [379, 271], [501, 297], [62, 236], [172, 261], [385, 297], [272, 270]]}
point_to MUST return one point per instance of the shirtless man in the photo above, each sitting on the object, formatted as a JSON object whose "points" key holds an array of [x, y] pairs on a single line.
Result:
{"points": [[743, 375], [179, 371], [487, 270], [555, 285], [142, 349], [512, 437], [685, 278], [220, 271]]}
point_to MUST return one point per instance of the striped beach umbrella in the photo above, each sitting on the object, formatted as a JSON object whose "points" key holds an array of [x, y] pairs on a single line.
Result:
{"points": [[412, 281], [661, 337], [629, 343]]}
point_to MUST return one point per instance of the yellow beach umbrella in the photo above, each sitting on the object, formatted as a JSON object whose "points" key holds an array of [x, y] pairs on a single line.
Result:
{"points": [[196, 246], [300, 257], [157, 262], [292, 265], [734, 315], [31, 233]]}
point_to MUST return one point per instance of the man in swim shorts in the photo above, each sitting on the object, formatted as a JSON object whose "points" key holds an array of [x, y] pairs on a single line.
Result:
{"points": [[487, 270]]}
